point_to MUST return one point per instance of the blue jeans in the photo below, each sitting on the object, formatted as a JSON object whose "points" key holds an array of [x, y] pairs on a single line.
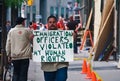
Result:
{"points": [[59, 75], [20, 71]]}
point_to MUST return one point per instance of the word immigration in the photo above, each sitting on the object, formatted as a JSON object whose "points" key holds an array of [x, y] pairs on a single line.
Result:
{"points": [[53, 46]]}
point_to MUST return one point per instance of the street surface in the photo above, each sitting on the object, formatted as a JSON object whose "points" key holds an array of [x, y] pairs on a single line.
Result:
{"points": [[108, 71]]}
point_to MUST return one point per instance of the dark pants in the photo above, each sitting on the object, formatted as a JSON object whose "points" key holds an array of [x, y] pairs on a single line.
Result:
{"points": [[75, 43], [20, 69], [75, 47], [59, 75]]}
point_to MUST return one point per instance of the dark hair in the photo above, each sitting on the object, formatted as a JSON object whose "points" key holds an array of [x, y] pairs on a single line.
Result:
{"points": [[30, 23], [33, 21], [8, 21], [20, 20], [51, 16]]}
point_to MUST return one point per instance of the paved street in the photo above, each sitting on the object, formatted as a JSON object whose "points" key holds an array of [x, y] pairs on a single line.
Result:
{"points": [[36, 74], [106, 70]]}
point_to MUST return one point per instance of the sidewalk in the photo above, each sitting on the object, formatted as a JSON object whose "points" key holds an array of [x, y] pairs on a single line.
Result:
{"points": [[106, 70], [35, 73]]}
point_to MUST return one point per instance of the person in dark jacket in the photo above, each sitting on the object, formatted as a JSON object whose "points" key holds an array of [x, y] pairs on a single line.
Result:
{"points": [[72, 25]]}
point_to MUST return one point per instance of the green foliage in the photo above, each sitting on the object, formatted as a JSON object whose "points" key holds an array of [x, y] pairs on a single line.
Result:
{"points": [[13, 3]]}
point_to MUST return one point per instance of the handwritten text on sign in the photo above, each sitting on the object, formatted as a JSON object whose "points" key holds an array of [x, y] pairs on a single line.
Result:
{"points": [[53, 46]]}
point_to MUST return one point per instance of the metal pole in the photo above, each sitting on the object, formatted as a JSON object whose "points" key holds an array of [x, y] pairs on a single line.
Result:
{"points": [[30, 13]]}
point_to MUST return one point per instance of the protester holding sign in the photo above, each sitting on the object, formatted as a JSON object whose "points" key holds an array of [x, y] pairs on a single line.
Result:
{"points": [[54, 71]]}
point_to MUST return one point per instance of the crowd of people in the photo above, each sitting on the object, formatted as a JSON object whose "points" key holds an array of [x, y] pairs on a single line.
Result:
{"points": [[62, 24], [18, 48]]}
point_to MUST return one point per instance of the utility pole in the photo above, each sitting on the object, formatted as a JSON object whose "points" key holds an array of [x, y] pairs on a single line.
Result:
{"points": [[30, 3], [3, 36]]}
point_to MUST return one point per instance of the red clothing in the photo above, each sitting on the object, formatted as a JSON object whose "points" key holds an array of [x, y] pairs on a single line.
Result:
{"points": [[34, 26], [46, 26], [60, 25]]}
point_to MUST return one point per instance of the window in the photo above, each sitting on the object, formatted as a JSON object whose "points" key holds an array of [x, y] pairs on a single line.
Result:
{"points": [[34, 9], [51, 11], [57, 11], [62, 12], [67, 10]]}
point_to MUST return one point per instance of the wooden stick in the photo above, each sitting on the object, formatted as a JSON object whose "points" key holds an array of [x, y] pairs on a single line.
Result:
{"points": [[95, 45]]}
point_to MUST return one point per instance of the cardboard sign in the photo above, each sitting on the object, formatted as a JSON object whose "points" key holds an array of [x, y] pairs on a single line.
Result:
{"points": [[53, 46]]}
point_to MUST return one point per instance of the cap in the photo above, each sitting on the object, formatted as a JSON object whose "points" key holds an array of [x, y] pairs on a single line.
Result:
{"points": [[20, 20]]}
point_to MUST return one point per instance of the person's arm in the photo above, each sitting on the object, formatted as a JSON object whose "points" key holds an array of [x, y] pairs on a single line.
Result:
{"points": [[67, 26], [78, 27], [31, 36], [8, 45]]}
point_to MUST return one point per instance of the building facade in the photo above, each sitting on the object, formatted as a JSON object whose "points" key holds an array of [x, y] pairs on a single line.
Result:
{"points": [[41, 9]]}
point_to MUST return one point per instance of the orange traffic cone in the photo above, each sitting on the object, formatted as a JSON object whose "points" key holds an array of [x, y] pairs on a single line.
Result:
{"points": [[94, 77], [99, 80], [89, 74], [84, 67]]}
